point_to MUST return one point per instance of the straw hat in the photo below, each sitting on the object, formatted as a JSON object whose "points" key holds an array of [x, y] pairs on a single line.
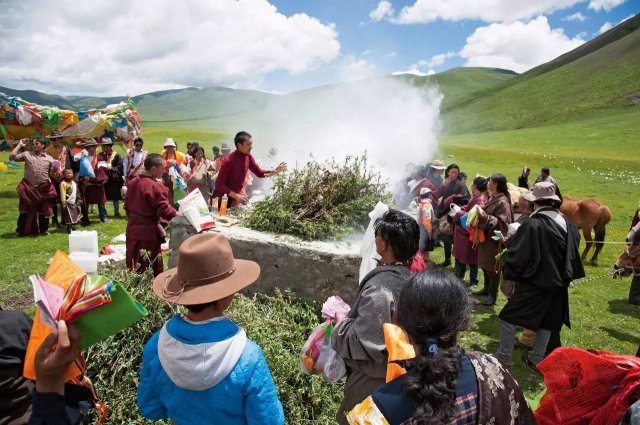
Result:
{"points": [[438, 164], [542, 190], [89, 142], [106, 141], [169, 143], [206, 272]]}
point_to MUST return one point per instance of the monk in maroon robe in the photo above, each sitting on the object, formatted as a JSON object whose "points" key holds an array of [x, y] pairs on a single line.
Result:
{"points": [[35, 190], [233, 171], [147, 206]]}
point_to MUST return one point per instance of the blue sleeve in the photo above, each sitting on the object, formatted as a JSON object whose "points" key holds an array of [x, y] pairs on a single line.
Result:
{"points": [[149, 403], [261, 399]]}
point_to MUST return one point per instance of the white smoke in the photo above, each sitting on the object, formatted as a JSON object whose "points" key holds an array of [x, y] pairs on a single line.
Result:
{"points": [[394, 122]]}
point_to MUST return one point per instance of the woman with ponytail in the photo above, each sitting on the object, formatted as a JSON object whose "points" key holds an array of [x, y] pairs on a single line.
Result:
{"points": [[443, 384]]}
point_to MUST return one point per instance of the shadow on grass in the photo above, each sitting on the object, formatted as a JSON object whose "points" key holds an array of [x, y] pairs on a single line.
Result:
{"points": [[487, 325], [9, 194], [621, 336], [623, 307]]}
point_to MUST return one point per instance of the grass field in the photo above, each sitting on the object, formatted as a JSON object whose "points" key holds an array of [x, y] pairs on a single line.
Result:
{"points": [[596, 158]]}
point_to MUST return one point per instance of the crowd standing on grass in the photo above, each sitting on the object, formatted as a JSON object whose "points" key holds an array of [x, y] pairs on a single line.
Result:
{"points": [[202, 358]]}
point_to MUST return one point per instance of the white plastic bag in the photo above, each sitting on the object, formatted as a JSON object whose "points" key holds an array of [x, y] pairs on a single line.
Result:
{"points": [[196, 210], [368, 251]]}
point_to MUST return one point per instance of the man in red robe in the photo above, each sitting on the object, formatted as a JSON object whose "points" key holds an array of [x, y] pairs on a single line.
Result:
{"points": [[234, 168], [35, 190], [147, 206]]}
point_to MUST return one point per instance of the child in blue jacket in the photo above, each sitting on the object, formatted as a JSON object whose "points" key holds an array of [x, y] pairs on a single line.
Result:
{"points": [[201, 368]]}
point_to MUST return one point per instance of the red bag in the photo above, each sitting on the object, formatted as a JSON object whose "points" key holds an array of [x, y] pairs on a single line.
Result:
{"points": [[587, 387]]}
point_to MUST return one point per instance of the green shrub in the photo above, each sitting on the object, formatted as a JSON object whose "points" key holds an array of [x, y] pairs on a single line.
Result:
{"points": [[320, 200], [280, 324]]}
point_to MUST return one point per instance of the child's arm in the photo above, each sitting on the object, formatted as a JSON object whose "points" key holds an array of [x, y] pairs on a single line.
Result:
{"points": [[149, 403], [63, 194], [261, 399]]}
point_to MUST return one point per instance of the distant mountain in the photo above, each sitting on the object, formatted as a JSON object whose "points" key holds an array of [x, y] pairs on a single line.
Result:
{"points": [[601, 76], [221, 108]]}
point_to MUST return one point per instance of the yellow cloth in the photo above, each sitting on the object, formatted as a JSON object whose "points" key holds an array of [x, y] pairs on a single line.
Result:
{"points": [[366, 413], [179, 156], [65, 190], [69, 119], [61, 272], [398, 347]]}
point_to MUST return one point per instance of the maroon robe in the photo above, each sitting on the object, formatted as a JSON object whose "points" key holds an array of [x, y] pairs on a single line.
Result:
{"points": [[34, 201], [147, 205], [92, 189], [463, 249]]}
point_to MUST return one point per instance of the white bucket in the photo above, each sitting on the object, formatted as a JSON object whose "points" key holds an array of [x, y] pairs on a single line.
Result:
{"points": [[84, 241], [85, 260]]}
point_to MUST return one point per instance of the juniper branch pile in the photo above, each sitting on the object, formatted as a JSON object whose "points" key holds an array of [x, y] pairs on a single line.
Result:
{"points": [[320, 200]]}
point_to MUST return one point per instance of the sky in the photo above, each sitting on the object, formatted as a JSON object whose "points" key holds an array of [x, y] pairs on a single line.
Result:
{"points": [[123, 47]]}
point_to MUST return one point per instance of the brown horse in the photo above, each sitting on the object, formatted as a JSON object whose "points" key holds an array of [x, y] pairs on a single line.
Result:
{"points": [[629, 262], [588, 215]]}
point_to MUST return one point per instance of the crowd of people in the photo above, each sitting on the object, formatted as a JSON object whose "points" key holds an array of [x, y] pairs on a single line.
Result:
{"points": [[106, 177], [202, 358]]}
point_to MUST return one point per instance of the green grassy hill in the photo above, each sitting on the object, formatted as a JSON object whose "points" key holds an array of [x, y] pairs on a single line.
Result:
{"points": [[458, 83], [600, 77]]}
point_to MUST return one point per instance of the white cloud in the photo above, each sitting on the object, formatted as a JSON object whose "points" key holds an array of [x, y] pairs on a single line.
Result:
{"points": [[437, 60], [353, 68], [382, 11], [608, 25], [413, 70], [423, 11], [517, 46], [606, 5], [119, 46], [391, 54], [605, 27], [575, 17]]}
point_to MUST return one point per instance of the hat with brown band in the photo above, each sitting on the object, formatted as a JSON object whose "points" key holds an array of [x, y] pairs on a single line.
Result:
{"points": [[438, 164], [541, 191], [206, 272]]}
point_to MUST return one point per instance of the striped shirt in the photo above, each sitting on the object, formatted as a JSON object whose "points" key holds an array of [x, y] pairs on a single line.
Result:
{"points": [[37, 167]]}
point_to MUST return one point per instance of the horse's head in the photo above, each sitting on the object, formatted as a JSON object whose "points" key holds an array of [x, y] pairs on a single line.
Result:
{"points": [[628, 262]]}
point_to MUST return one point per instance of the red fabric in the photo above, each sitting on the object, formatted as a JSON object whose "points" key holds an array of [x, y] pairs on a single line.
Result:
{"points": [[233, 172], [34, 201], [462, 246], [147, 204], [92, 189], [137, 262], [417, 264], [587, 387]]}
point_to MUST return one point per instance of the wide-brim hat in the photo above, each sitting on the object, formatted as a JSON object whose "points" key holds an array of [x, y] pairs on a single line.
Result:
{"points": [[206, 272], [55, 134], [88, 142], [106, 141], [225, 147], [542, 190], [438, 164], [425, 191], [169, 143]]}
